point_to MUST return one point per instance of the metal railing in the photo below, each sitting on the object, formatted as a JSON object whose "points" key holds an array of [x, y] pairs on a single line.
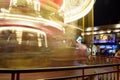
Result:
{"points": [[104, 60], [85, 75]]}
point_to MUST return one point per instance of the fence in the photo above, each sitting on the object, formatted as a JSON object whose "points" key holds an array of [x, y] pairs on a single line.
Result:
{"points": [[103, 59], [101, 72]]}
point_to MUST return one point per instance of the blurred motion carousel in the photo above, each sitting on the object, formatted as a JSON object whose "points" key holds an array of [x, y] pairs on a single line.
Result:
{"points": [[32, 30]]}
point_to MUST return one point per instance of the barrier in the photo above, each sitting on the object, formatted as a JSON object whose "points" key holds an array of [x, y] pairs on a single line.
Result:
{"points": [[114, 70]]}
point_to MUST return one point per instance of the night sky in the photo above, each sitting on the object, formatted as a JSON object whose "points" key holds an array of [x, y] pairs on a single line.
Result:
{"points": [[106, 12]]}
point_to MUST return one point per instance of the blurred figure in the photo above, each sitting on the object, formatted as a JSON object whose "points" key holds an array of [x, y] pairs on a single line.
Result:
{"points": [[117, 54], [103, 52], [81, 54], [11, 42]]}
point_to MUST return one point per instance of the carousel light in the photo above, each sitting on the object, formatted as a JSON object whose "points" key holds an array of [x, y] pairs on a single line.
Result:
{"points": [[31, 19], [101, 32], [117, 26], [77, 12], [116, 31], [89, 29], [108, 31]]}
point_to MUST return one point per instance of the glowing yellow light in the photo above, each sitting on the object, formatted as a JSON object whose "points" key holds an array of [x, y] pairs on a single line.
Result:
{"points": [[89, 29], [22, 28], [32, 19], [95, 33], [117, 26], [73, 13], [116, 31], [82, 34], [101, 32], [108, 31], [88, 33]]}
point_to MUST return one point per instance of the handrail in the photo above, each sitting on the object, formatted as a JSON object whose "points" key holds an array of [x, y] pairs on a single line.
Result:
{"points": [[28, 70], [16, 72]]}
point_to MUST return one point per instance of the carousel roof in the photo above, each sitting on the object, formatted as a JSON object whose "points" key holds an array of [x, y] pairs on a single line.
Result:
{"points": [[47, 15]]}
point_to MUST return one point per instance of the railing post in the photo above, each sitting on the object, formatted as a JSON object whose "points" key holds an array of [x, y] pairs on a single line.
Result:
{"points": [[118, 72], [99, 59], [83, 74], [118, 60], [112, 60], [12, 76], [17, 76]]}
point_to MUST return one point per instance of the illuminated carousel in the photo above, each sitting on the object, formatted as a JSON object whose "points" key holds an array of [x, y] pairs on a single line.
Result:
{"points": [[36, 26], [28, 23]]}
